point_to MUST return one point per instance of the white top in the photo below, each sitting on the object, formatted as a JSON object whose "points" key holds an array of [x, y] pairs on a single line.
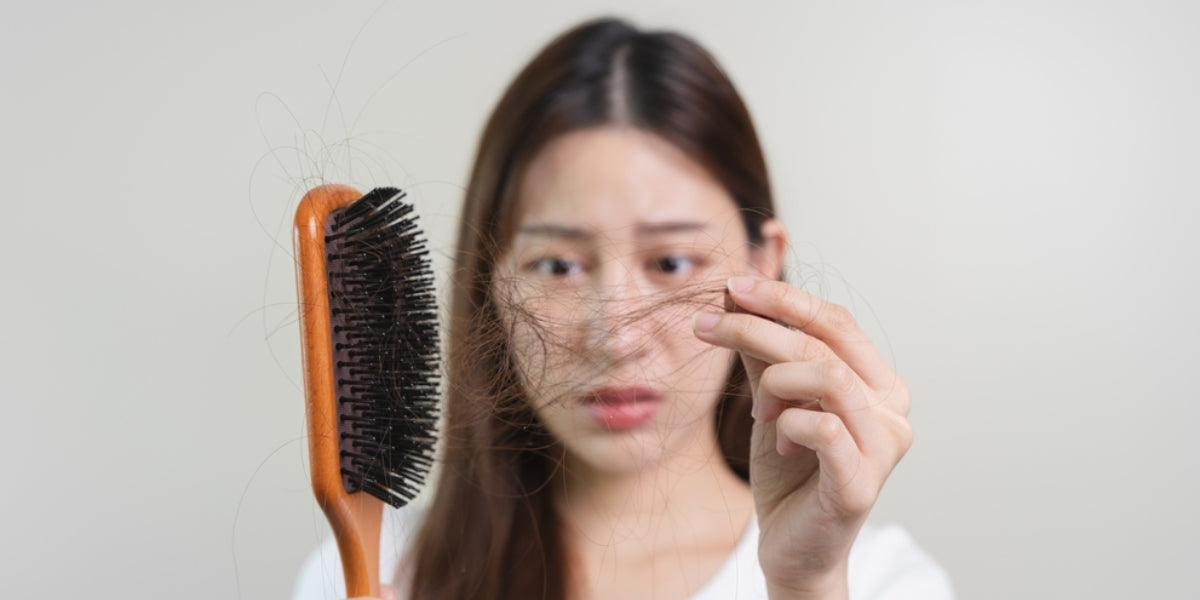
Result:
{"points": [[885, 564]]}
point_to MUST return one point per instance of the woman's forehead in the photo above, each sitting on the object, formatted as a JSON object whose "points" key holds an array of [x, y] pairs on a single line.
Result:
{"points": [[618, 177]]}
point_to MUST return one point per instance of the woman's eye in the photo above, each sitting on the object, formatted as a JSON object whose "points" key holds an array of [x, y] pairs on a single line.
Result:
{"points": [[554, 267], [673, 265]]}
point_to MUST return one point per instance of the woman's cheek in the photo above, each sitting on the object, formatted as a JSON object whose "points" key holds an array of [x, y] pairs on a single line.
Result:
{"points": [[544, 342]]}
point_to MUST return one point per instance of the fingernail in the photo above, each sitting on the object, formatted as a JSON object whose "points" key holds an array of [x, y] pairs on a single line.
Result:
{"points": [[740, 284], [705, 321]]}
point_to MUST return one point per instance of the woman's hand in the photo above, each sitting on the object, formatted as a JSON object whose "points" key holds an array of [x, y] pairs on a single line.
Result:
{"points": [[830, 425]]}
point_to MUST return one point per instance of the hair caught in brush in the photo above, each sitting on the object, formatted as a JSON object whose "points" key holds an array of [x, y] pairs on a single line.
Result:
{"points": [[370, 349]]}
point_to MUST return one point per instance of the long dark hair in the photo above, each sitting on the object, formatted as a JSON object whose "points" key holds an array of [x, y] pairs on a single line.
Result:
{"points": [[492, 532]]}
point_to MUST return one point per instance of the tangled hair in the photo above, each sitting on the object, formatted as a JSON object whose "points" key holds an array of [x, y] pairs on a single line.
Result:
{"points": [[492, 531]]}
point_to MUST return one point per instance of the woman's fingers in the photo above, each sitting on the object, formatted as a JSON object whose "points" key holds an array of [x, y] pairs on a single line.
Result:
{"points": [[831, 386], [759, 342], [828, 322], [828, 385], [757, 337], [847, 372], [846, 473]]}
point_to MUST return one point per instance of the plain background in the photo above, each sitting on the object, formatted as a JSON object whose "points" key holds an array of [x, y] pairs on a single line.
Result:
{"points": [[1004, 191]]}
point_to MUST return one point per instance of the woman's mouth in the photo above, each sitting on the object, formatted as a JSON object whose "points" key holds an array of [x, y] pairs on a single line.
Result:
{"points": [[621, 408]]}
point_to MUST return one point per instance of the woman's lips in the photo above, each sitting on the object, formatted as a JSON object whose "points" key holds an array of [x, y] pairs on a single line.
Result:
{"points": [[622, 408]]}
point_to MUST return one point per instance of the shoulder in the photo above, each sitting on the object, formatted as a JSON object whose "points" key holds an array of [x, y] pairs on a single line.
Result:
{"points": [[887, 564], [320, 576]]}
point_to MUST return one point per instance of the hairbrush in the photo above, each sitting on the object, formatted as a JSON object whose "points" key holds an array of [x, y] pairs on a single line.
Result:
{"points": [[369, 332]]}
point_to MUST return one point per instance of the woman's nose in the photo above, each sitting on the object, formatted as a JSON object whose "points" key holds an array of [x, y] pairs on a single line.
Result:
{"points": [[619, 326]]}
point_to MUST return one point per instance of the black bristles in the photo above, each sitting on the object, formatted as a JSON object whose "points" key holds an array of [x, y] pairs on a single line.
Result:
{"points": [[385, 345]]}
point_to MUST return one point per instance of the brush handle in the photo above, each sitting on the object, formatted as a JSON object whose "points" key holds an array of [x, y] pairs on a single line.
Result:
{"points": [[355, 518]]}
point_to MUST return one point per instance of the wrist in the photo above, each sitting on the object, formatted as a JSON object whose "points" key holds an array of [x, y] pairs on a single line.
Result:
{"points": [[833, 586]]}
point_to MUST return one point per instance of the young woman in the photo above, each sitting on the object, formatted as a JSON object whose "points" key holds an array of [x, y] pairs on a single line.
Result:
{"points": [[637, 406]]}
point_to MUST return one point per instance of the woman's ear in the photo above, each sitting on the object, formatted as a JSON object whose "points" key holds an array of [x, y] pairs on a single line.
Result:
{"points": [[767, 258]]}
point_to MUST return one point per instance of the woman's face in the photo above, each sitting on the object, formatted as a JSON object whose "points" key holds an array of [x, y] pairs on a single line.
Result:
{"points": [[619, 239]]}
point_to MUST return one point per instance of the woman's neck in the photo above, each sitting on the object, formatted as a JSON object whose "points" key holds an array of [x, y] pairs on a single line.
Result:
{"points": [[689, 498]]}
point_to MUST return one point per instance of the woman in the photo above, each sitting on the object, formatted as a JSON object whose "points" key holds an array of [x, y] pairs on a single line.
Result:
{"points": [[612, 431]]}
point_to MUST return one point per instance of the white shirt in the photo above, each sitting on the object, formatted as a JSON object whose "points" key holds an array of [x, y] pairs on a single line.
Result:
{"points": [[885, 564]]}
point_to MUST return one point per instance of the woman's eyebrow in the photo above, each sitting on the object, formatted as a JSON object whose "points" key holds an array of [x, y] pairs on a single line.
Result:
{"points": [[558, 231], [665, 227], [640, 230]]}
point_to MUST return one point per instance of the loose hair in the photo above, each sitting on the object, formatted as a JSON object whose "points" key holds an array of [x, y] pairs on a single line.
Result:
{"points": [[492, 531]]}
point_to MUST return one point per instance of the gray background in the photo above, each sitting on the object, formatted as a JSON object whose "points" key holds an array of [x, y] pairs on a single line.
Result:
{"points": [[1004, 192]]}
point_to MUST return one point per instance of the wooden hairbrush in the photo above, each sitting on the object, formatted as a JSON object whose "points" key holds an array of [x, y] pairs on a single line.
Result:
{"points": [[369, 332]]}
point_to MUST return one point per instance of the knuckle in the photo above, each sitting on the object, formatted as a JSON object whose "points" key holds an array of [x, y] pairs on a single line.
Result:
{"points": [[904, 435], [778, 292], [742, 327], [900, 432], [839, 318], [827, 430], [768, 379], [814, 349], [838, 376], [858, 498], [898, 396], [897, 388]]}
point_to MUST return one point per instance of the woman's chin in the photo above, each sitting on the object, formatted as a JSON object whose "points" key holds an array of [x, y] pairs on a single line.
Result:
{"points": [[624, 454], [625, 451]]}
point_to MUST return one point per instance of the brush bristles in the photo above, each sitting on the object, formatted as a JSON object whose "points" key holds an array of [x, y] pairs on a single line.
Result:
{"points": [[383, 313]]}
